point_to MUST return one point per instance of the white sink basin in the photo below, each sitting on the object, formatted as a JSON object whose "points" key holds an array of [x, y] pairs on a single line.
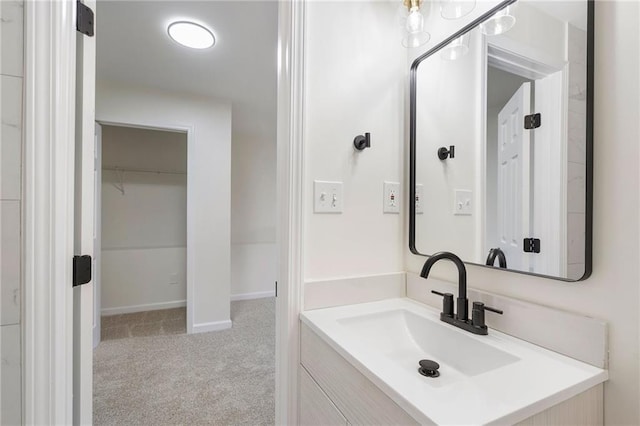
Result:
{"points": [[406, 338], [483, 379]]}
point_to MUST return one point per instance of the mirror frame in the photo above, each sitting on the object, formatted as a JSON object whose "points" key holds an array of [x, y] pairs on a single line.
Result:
{"points": [[588, 148]]}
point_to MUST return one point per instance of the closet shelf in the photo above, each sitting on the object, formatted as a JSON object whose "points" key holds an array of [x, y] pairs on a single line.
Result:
{"points": [[120, 171], [125, 169]]}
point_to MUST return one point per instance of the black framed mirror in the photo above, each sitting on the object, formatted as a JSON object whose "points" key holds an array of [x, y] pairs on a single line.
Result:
{"points": [[501, 141]]}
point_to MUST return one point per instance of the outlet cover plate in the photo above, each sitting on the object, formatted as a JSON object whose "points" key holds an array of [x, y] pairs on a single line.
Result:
{"points": [[391, 198]]}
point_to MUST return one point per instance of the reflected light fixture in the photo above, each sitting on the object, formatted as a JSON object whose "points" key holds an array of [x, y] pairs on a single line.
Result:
{"points": [[456, 9], [456, 49], [501, 22], [191, 35], [414, 35]]}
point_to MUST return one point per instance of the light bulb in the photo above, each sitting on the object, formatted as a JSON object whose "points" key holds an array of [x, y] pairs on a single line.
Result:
{"points": [[415, 21]]}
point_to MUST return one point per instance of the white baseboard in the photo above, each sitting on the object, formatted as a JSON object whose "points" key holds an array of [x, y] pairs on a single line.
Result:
{"points": [[142, 308], [256, 295], [211, 326]]}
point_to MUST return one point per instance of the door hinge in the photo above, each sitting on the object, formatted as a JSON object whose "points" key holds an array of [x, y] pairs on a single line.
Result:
{"points": [[81, 269], [532, 121], [84, 19], [531, 245], [276, 288]]}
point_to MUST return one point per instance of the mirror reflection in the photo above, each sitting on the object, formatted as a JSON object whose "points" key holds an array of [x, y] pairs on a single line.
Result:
{"points": [[501, 141]]}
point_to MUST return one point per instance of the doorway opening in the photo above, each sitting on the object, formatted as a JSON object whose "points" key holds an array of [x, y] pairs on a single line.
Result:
{"points": [[522, 160], [143, 216], [222, 103]]}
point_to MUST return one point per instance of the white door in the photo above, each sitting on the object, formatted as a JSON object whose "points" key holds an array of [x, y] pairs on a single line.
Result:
{"points": [[514, 178], [97, 215], [83, 302], [549, 206]]}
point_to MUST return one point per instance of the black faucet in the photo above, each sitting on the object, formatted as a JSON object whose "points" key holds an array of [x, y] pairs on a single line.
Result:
{"points": [[496, 252], [461, 319], [462, 302]]}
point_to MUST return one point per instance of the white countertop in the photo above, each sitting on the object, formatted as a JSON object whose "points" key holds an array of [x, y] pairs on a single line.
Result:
{"points": [[521, 379]]}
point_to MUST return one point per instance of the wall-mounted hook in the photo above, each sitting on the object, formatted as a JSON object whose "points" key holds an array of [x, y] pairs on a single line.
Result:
{"points": [[361, 142], [443, 152]]}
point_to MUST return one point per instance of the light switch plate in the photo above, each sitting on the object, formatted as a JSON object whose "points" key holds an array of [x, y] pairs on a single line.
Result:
{"points": [[419, 199], [327, 197], [463, 202], [391, 197]]}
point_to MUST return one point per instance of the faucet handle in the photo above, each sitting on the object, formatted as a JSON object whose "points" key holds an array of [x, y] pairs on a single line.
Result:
{"points": [[477, 314], [497, 311], [447, 303]]}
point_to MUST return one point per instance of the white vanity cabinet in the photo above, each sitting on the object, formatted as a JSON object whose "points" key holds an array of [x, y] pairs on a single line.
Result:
{"points": [[359, 400], [316, 409], [334, 392]]}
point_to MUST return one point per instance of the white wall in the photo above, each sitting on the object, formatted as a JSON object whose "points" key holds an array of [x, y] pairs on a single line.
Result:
{"points": [[355, 77], [135, 279], [543, 45], [449, 114], [253, 270], [253, 203], [576, 150], [11, 87], [209, 186], [612, 292], [144, 220], [491, 173], [146, 149]]}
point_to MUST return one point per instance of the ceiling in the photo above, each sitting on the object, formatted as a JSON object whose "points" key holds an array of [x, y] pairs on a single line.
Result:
{"points": [[133, 47]]}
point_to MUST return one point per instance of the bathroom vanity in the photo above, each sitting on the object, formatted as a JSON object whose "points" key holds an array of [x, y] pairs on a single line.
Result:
{"points": [[500, 139], [359, 365]]}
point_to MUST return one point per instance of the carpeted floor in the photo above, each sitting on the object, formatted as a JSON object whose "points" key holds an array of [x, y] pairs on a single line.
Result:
{"points": [[149, 323], [218, 378]]}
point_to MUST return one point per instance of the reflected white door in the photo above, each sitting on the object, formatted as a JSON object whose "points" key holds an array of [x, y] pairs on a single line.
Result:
{"points": [[549, 163], [514, 178]]}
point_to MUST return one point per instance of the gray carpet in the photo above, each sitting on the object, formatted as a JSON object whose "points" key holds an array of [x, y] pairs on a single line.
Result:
{"points": [[218, 378]]}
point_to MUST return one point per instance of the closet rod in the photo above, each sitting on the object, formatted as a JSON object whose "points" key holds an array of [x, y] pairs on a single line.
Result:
{"points": [[121, 169]]}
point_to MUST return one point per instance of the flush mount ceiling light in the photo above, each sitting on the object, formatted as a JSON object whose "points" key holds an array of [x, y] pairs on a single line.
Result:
{"points": [[191, 35]]}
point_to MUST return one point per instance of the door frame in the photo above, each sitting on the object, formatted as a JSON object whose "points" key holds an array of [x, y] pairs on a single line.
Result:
{"points": [[290, 215], [48, 209]]}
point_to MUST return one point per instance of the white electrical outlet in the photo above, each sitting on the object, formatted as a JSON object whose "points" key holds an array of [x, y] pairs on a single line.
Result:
{"points": [[463, 202], [327, 197], [173, 279], [391, 197], [419, 200]]}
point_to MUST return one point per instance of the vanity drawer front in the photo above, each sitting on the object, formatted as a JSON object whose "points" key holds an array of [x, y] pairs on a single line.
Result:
{"points": [[356, 397], [316, 409]]}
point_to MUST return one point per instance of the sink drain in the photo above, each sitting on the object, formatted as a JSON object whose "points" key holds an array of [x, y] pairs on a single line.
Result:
{"points": [[429, 368]]}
